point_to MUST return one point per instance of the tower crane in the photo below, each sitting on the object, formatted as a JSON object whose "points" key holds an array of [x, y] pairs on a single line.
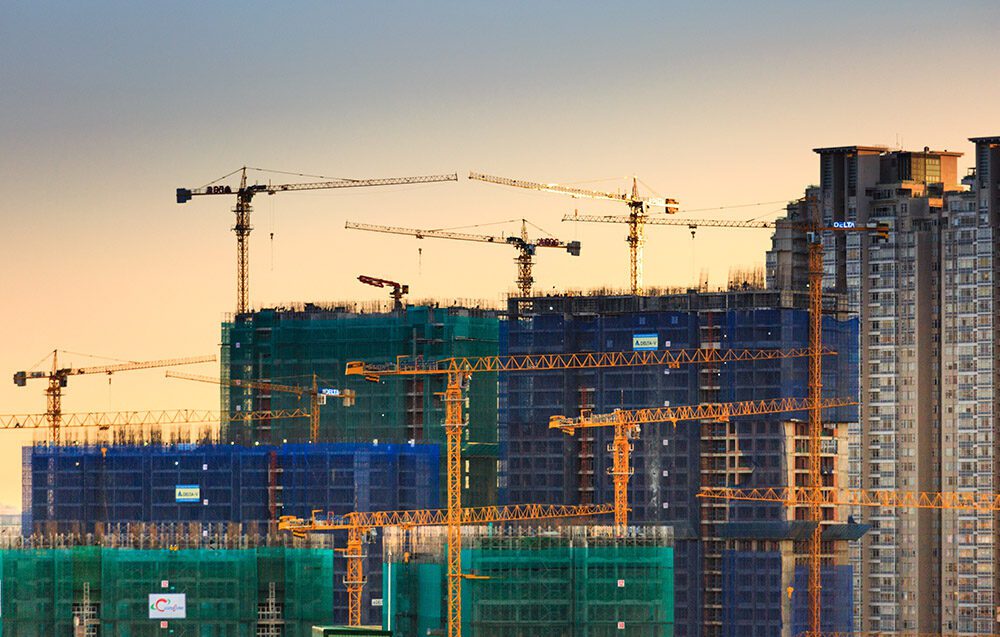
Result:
{"points": [[317, 395], [398, 289], [813, 232], [244, 196], [627, 422], [357, 523], [57, 378], [458, 371], [525, 246], [636, 217]]}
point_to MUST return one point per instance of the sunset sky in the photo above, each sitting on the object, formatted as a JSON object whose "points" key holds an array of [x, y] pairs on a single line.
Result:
{"points": [[106, 108]]}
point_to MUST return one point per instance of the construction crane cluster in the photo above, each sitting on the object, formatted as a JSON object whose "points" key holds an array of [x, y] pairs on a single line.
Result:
{"points": [[456, 373], [524, 245]]}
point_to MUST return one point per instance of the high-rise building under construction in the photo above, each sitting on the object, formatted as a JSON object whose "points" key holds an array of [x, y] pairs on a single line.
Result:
{"points": [[290, 345], [713, 539], [927, 301]]}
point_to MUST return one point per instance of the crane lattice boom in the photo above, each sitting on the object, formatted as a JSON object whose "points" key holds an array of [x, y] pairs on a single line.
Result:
{"points": [[807, 496], [590, 360], [707, 411]]}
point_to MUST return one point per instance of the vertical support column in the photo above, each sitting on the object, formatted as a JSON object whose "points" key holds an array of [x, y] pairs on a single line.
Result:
{"points": [[454, 423], [524, 263], [815, 429], [636, 238], [355, 579], [621, 449], [242, 230], [53, 406], [314, 412]]}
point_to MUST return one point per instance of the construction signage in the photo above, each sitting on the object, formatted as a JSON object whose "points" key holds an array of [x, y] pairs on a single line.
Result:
{"points": [[167, 606]]}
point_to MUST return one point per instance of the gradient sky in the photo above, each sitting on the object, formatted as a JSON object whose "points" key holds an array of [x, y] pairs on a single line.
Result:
{"points": [[107, 107]]}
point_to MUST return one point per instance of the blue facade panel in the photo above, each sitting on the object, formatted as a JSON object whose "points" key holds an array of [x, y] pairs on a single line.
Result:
{"points": [[73, 489], [752, 594], [543, 465], [756, 600], [835, 600]]}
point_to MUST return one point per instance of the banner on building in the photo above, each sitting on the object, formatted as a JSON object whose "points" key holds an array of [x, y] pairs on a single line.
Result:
{"points": [[167, 606], [187, 493], [645, 342]]}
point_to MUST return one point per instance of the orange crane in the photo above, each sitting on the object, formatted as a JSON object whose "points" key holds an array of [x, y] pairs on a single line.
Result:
{"points": [[458, 371], [58, 377], [317, 395], [108, 419], [398, 289], [627, 422], [523, 244], [244, 196], [357, 523], [636, 218]]}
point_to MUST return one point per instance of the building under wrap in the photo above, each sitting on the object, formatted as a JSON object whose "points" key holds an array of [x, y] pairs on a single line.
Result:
{"points": [[289, 346], [260, 592], [200, 493], [670, 464], [573, 581]]}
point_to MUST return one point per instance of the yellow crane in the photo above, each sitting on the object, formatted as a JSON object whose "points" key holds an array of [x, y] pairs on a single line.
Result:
{"points": [[357, 523], [244, 196], [317, 395], [627, 423], [458, 371], [57, 378], [524, 245], [636, 218]]}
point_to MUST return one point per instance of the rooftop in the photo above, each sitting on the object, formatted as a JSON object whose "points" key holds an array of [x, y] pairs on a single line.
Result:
{"points": [[851, 149]]}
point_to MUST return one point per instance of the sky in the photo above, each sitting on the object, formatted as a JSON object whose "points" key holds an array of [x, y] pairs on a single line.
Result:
{"points": [[107, 107]]}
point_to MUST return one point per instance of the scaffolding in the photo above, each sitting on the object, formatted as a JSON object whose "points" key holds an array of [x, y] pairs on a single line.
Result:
{"points": [[569, 581]]}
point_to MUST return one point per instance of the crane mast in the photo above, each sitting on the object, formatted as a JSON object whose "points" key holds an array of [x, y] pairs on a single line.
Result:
{"points": [[245, 194], [524, 245]]}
